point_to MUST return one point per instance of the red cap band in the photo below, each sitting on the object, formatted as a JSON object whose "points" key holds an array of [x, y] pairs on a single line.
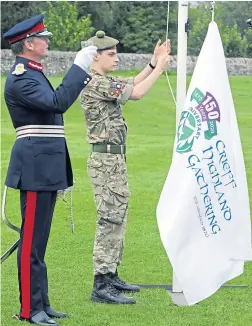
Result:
{"points": [[38, 28]]}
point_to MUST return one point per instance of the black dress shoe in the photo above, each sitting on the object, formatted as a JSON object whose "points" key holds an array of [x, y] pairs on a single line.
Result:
{"points": [[42, 319], [54, 314]]}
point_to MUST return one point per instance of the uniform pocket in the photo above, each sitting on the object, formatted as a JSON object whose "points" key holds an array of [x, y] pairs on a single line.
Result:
{"points": [[102, 165], [120, 192], [109, 181], [94, 165], [49, 162], [112, 204], [92, 114]]}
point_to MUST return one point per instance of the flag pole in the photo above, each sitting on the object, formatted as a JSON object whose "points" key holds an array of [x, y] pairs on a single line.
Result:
{"points": [[181, 80], [175, 290], [181, 57]]}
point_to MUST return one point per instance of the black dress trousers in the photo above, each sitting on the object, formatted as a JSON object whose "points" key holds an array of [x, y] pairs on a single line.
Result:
{"points": [[37, 211]]}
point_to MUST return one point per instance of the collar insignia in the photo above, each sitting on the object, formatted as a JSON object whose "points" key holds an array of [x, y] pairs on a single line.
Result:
{"points": [[35, 65]]}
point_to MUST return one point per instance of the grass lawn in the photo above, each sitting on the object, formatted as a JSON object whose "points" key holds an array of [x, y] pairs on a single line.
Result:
{"points": [[151, 124]]}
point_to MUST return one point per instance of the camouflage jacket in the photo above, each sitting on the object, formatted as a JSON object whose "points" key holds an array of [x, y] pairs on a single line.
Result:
{"points": [[101, 101]]}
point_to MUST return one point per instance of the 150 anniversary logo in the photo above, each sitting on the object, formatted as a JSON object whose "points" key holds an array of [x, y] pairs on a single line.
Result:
{"points": [[201, 117]]}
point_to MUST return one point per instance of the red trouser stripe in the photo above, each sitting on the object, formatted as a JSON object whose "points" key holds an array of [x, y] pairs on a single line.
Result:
{"points": [[26, 253]]}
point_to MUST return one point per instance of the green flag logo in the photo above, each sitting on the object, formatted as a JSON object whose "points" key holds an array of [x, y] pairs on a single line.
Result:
{"points": [[185, 133], [203, 112]]}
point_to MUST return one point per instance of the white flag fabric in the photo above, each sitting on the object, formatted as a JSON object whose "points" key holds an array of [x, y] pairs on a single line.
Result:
{"points": [[203, 213]]}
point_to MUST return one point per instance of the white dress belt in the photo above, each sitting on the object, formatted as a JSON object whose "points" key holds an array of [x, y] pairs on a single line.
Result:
{"points": [[40, 131]]}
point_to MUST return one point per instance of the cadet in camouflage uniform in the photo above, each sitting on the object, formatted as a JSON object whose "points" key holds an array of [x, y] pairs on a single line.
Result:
{"points": [[107, 132]]}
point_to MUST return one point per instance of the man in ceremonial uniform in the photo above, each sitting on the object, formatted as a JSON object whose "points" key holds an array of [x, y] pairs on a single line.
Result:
{"points": [[107, 132], [39, 163]]}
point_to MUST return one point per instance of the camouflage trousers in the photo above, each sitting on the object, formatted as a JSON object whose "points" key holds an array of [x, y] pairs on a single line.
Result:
{"points": [[108, 175]]}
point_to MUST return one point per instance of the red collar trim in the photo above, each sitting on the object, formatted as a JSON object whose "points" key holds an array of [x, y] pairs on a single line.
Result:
{"points": [[35, 65]]}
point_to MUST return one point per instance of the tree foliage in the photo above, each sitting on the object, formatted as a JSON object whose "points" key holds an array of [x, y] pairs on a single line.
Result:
{"points": [[68, 31], [136, 24], [231, 19], [145, 23], [13, 12], [232, 42], [248, 43], [231, 13], [100, 11], [199, 25]]}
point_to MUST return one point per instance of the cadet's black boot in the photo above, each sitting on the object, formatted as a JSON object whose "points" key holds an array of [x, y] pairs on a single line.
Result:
{"points": [[121, 285], [105, 292], [54, 314]]}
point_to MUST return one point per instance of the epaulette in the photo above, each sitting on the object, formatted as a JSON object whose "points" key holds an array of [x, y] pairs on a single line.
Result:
{"points": [[19, 69]]}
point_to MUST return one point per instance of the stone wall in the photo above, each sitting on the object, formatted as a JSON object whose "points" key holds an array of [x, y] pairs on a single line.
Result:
{"points": [[57, 63]]}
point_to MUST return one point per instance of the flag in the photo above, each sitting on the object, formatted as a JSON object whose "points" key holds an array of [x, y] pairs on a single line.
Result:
{"points": [[203, 212]]}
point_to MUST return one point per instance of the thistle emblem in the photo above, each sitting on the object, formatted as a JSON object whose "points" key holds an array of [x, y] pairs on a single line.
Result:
{"points": [[185, 133]]}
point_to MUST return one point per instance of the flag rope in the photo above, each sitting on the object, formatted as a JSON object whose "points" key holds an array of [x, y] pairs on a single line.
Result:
{"points": [[166, 38]]}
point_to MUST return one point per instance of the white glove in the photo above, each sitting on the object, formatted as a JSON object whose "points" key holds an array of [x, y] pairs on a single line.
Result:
{"points": [[85, 56]]}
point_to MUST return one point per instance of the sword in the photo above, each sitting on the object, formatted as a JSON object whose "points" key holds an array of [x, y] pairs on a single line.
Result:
{"points": [[9, 224], [9, 251], [61, 195], [17, 229]]}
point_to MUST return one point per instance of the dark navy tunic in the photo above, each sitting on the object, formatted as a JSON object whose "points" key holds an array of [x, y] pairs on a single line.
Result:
{"points": [[40, 163]]}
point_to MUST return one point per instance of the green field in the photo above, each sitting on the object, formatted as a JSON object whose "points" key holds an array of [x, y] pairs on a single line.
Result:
{"points": [[151, 124]]}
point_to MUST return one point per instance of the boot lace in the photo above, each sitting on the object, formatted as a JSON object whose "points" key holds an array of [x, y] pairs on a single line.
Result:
{"points": [[112, 290], [118, 280]]}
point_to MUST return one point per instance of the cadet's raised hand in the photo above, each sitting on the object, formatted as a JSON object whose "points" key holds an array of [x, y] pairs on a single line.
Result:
{"points": [[85, 56], [163, 62], [167, 45], [160, 49]]}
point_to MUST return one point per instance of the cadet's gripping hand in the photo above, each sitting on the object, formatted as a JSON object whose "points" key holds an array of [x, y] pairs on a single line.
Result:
{"points": [[85, 56], [163, 62], [160, 50]]}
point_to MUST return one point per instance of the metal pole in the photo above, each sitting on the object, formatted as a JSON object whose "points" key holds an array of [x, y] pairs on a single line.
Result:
{"points": [[181, 80], [181, 57]]}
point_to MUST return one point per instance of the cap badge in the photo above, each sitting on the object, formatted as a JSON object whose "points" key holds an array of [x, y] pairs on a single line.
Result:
{"points": [[19, 69]]}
